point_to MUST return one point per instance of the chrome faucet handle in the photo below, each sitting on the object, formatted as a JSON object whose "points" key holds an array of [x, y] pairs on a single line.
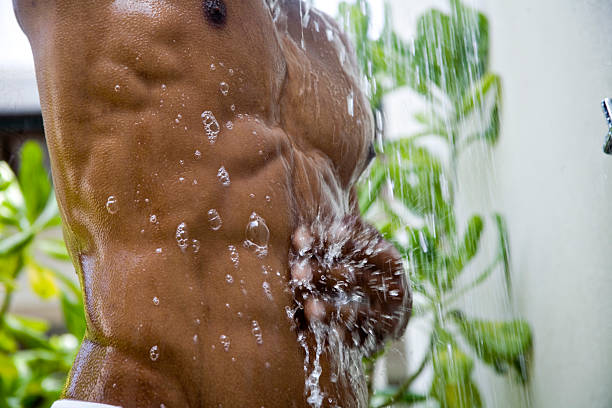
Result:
{"points": [[606, 105]]}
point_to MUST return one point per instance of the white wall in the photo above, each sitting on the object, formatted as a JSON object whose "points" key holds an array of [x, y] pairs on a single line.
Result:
{"points": [[555, 57], [550, 179]]}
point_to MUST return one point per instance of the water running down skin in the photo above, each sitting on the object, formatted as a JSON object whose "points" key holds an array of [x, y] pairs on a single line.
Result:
{"points": [[169, 183]]}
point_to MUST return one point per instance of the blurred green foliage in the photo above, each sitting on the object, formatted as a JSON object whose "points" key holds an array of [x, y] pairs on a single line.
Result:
{"points": [[447, 64], [33, 363]]}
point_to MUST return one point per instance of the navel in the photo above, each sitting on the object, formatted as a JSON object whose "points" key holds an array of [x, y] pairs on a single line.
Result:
{"points": [[215, 11]]}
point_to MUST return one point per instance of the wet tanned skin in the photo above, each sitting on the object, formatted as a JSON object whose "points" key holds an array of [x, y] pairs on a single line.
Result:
{"points": [[123, 85]]}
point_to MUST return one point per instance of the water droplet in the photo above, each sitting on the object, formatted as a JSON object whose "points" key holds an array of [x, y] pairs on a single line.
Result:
{"points": [[223, 176], [195, 246], [197, 155], [257, 235], [164, 87], [231, 71], [267, 290], [251, 195], [330, 34], [212, 67], [154, 353], [158, 251], [211, 126], [197, 321], [256, 330], [225, 342], [268, 198], [153, 219], [229, 125], [224, 88], [156, 301], [195, 338], [350, 102], [234, 256], [111, 205], [214, 220], [117, 88], [229, 278], [181, 179], [182, 237], [233, 108]]}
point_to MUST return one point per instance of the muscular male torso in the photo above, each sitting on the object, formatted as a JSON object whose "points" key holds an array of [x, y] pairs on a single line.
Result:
{"points": [[188, 140]]}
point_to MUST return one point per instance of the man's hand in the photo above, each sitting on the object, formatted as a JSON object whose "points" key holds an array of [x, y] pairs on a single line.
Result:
{"points": [[344, 274]]}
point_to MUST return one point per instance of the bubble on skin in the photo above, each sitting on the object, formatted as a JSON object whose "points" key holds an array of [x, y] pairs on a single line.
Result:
{"points": [[234, 256], [211, 126], [225, 342], [229, 278], [156, 301], [257, 235], [153, 219], [224, 88], [112, 206], [223, 176], [231, 71], [195, 338], [256, 330], [233, 108], [213, 67], [164, 87], [154, 353], [158, 251], [117, 88], [214, 220], [268, 198], [197, 155], [229, 125], [182, 237]]}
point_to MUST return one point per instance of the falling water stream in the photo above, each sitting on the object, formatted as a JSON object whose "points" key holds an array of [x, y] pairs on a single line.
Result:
{"points": [[437, 108]]}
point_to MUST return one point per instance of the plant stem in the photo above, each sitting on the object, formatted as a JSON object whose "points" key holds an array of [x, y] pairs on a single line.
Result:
{"points": [[406, 385], [481, 278], [6, 302]]}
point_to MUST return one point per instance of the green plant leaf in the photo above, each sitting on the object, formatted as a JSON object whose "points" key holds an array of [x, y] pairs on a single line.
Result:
{"points": [[55, 248], [11, 199], [30, 333], [42, 280], [369, 189], [74, 315], [452, 385], [504, 249], [14, 243], [10, 266], [33, 179], [450, 50], [500, 344]]}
